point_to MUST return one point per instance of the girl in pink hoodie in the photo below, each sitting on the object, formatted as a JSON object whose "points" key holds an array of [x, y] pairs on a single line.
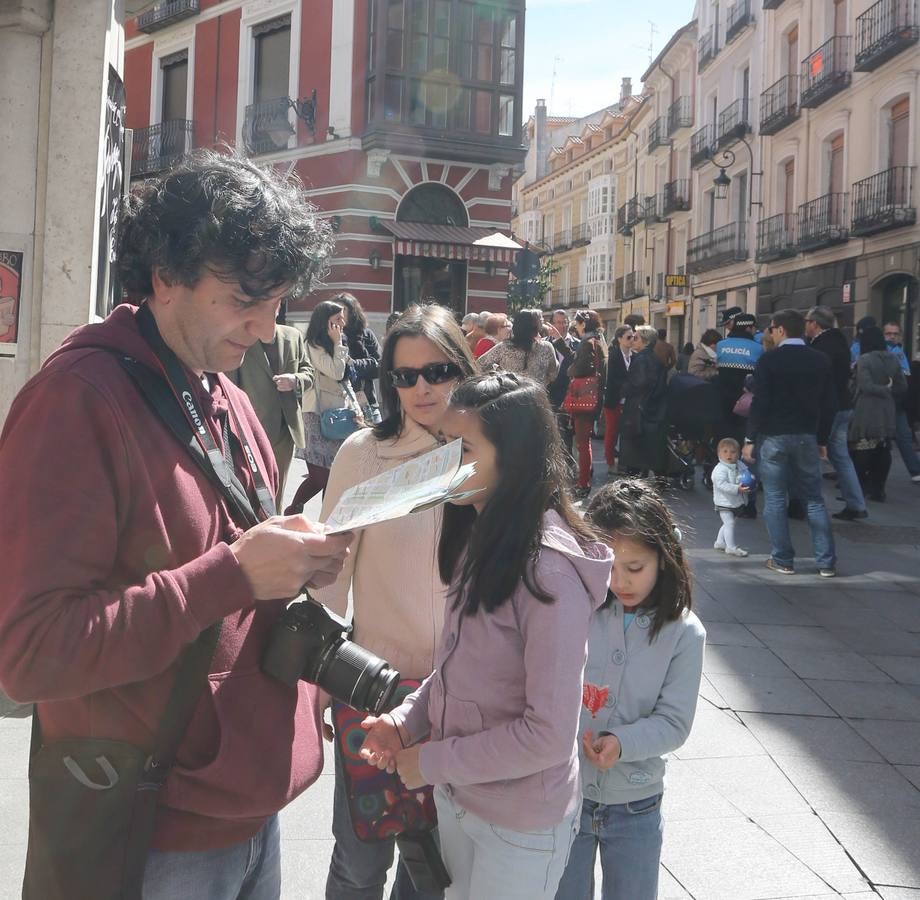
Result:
{"points": [[500, 710]]}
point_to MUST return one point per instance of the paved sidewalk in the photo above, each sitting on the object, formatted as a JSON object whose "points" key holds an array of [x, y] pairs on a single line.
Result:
{"points": [[802, 775]]}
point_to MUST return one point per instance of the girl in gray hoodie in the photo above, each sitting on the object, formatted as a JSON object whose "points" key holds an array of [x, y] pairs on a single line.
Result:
{"points": [[645, 662], [500, 711]]}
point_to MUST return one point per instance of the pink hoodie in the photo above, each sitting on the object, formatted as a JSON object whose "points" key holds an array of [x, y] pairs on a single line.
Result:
{"points": [[502, 705]]}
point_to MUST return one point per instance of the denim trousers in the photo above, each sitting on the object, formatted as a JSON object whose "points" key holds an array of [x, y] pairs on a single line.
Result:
{"points": [[489, 862], [838, 453], [250, 870], [904, 438], [790, 466], [629, 836], [358, 869]]}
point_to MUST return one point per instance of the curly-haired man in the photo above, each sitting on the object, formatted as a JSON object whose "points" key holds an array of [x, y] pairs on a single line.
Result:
{"points": [[117, 561]]}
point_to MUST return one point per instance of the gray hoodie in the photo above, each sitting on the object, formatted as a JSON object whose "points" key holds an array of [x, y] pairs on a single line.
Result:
{"points": [[501, 707]]}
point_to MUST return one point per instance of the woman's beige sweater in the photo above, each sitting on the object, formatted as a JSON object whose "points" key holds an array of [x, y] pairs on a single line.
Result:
{"points": [[392, 570]]}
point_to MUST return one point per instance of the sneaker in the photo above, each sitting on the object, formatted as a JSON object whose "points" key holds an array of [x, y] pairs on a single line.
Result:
{"points": [[827, 573], [848, 515], [718, 546], [774, 566], [915, 479], [735, 551]]}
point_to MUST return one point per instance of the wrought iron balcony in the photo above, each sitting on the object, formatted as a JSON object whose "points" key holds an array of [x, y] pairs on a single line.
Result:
{"points": [[772, 4], [717, 248], [581, 235], [676, 196], [160, 147], [779, 104], [562, 240], [823, 222], [707, 48], [739, 17], [680, 114], [734, 122], [883, 31], [577, 296], [884, 201], [702, 143], [652, 209], [776, 237], [629, 214], [826, 72], [657, 134], [165, 14], [267, 126], [633, 285]]}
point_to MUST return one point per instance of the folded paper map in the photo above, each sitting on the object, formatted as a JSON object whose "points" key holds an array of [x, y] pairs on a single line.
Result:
{"points": [[421, 483]]}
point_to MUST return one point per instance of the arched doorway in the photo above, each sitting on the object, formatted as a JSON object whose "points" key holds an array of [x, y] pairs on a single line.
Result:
{"points": [[899, 303], [426, 278]]}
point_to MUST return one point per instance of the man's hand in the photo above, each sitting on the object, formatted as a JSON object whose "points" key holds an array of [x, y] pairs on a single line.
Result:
{"points": [[603, 751], [822, 451], [325, 702], [409, 771], [284, 554], [285, 383], [747, 454], [743, 489], [381, 744]]}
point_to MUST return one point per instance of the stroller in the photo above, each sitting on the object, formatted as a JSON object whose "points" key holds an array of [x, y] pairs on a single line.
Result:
{"points": [[694, 413]]}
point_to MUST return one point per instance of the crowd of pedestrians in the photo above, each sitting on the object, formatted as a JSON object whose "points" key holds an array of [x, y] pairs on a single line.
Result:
{"points": [[549, 656]]}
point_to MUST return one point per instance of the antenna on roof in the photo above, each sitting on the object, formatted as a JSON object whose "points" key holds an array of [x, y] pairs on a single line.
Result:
{"points": [[552, 87], [652, 31]]}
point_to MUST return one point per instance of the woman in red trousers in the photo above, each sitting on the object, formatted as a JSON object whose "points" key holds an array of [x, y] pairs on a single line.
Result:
{"points": [[590, 360]]}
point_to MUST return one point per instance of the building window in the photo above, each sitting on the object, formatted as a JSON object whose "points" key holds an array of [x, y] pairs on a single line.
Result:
{"points": [[272, 59], [835, 166], [174, 80], [445, 64], [433, 203], [899, 133]]}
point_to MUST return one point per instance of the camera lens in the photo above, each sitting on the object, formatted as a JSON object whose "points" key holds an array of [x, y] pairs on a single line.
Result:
{"points": [[359, 678]]}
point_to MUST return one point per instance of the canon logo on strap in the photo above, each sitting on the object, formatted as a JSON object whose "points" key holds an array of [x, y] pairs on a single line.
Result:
{"points": [[193, 412]]}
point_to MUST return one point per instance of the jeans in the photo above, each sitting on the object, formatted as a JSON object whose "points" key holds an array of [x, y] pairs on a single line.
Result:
{"points": [[629, 836], [789, 466], [838, 452], [904, 438], [358, 869], [489, 862], [247, 871]]}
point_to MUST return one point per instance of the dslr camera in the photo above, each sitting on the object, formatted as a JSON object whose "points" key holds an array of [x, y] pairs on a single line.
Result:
{"points": [[309, 642]]}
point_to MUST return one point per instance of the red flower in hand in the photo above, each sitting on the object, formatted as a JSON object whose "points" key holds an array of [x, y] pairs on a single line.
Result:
{"points": [[593, 697]]}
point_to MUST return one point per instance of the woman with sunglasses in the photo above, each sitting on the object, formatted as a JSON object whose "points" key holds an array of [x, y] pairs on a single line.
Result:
{"points": [[590, 361], [397, 594]]}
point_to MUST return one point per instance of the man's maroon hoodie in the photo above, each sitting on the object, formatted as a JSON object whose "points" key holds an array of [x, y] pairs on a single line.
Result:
{"points": [[115, 558]]}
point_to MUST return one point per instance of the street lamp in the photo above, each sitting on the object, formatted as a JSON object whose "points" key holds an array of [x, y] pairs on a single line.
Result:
{"points": [[722, 182]]}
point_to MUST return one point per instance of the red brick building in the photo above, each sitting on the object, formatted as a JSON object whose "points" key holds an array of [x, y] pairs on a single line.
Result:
{"points": [[402, 118]]}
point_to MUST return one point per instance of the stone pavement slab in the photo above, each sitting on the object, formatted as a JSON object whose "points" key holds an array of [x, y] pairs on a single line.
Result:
{"points": [[904, 669], [892, 640], [718, 733], [811, 736], [730, 633], [887, 849], [754, 693], [859, 700], [832, 665], [724, 659], [897, 742], [797, 637]]}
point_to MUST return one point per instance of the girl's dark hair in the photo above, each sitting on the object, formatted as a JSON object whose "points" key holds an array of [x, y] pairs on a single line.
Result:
{"points": [[318, 329], [500, 545], [632, 507], [591, 320], [870, 339], [710, 337], [436, 323], [356, 323], [222, 214], [525, 328]]}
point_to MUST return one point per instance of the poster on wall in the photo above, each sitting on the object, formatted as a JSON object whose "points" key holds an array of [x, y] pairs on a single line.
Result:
{"points": [[10, 292], [108, 291]]}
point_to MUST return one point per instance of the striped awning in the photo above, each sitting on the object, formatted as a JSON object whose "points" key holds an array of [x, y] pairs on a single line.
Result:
{"points": [[452, 242]]}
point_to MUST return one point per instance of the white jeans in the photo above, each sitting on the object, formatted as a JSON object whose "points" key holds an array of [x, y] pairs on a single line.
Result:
{"points": [[488, 862], [726, 535]]}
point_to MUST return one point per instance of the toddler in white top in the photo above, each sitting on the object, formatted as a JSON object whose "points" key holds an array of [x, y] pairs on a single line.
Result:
{"points": [[728, 494]]}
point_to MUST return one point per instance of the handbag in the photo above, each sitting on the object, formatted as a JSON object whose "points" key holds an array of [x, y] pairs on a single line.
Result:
{"points": [[340, 422], [582, 395], [742, 405]]}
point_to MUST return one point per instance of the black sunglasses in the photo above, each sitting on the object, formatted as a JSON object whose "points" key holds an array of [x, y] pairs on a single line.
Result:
{"points": [[433, 373]]}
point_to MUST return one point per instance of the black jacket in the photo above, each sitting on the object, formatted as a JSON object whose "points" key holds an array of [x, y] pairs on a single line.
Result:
{"points": [[646, 389], [793, 394], [834, 346], [364, 350], [567, 347], [616, 376]]}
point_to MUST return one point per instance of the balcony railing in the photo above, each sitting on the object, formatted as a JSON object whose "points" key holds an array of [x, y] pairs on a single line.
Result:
{"points": [[734, 122], [562, 240], [719, 247], [706, 49], [267, 126], [628, 214], [657, 134], [676, 196], [826, 71], [884, 201], [680, 114], [581, 235], [633, 285], [883, 31], [779, 104], [776, 237], [165, 13], [701, 145], [652, 209], [618, 288], [160, 147], [823, 222], [577, 296], [739, 17]]}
